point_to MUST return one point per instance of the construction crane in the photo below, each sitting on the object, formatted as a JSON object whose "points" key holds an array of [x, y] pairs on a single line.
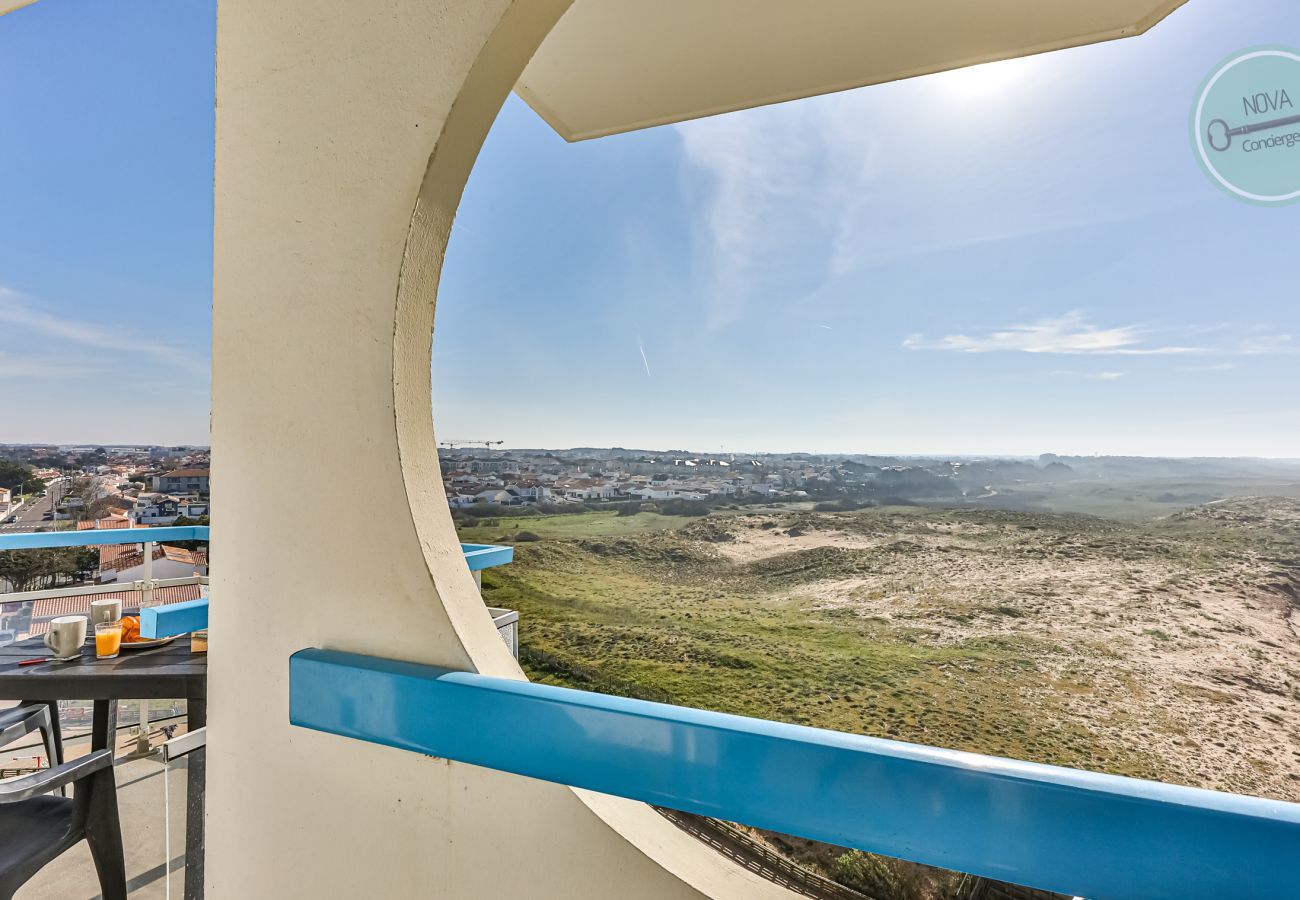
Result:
{"points": [[452, 445]]}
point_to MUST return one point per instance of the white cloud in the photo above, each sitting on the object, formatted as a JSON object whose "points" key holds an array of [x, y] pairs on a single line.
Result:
{"points": [[1071, 333], [18, 312], [1095, 376], [783, 191], [1267, 345], [829, 186]]}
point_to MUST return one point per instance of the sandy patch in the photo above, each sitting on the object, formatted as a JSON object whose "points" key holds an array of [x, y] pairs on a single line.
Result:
{"points": [[1149, 646]]}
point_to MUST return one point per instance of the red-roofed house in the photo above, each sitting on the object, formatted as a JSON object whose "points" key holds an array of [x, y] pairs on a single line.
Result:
{"points": [[45, 609], [125, 563], [113, 521]]}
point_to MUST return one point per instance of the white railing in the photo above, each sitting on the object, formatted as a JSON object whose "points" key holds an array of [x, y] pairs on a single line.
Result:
{"points": [[82, 590]]}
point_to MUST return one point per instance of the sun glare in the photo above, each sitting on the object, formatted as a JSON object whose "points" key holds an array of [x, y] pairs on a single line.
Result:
{"points": [[987, 80]]}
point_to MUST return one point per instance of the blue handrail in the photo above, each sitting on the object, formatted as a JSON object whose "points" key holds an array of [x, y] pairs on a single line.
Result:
{"points": [[478, 556], [173, 619], [485, 556], [97, 537], [1064, 830], [181, 618]]}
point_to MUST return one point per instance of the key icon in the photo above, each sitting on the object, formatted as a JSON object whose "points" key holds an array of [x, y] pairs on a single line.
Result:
{"points": [[1219, 128]]}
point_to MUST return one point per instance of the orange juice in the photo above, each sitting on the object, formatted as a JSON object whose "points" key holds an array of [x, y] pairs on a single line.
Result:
{"points": [[108, 639]]}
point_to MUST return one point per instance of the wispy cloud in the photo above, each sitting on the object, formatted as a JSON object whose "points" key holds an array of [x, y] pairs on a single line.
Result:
{"points": [[836, 185], [27, 367], [1070, 334], [1214, 367], [645, 362], [21, 314], [1074, 335], [1095, 376], [1267, 345], [782, 191]]}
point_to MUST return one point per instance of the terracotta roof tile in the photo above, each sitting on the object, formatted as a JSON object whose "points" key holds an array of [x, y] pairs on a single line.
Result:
{"points": [[50, 607]]}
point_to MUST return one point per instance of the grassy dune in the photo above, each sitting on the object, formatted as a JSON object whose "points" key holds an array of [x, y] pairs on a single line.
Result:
{"points": [[567, 527], [1160, 649]]}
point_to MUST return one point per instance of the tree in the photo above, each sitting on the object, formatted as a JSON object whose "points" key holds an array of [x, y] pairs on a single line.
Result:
{"points": [[97, 509], [34, 570], [19, 477], [85, 560], [190, 545]]}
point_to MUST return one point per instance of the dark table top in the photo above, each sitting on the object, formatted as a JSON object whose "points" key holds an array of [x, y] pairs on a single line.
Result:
{"points": [[169, 671]]}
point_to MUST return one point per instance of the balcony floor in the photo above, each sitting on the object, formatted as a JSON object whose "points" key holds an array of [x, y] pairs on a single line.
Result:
{"points": [[143, 806]]}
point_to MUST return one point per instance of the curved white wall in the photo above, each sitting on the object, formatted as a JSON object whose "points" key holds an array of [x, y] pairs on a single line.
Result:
{"points": [[335, 120]]}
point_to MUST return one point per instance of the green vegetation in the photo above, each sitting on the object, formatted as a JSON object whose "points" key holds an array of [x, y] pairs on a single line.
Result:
{"points": [[19, 478], [660, 614], [567, 527], [36, 570], [1135, 500], [1159, 648]]}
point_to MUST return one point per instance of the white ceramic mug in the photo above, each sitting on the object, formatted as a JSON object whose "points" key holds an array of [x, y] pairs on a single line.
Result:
{"points": [[102, 611], [66, 635]]}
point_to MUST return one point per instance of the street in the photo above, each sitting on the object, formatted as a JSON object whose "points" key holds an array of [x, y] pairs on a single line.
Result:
{"points": [[32, 516]]}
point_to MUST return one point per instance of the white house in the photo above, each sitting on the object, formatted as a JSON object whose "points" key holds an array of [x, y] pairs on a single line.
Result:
{"points": [[589, 489], [668, 492], [163, 509], [493, 495], [6, 502], [529, 492]]}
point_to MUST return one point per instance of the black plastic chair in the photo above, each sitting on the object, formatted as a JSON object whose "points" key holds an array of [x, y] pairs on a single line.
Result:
{"points": [[30, 716], [36, 827]]}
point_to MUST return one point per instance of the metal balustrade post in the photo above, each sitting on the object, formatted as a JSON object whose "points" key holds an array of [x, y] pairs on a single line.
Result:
{"points": [[146, 601], [146, 595]]}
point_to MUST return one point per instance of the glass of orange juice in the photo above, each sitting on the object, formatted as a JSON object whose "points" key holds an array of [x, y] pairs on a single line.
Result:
{"points": [[108, 639]]}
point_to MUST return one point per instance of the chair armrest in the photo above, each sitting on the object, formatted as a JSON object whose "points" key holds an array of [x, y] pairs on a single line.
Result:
{"points": [[16, 714], [22, 720], [46, 780]]}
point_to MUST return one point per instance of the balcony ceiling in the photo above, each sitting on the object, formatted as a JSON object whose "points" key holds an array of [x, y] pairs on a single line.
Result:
{"points": [[618, 65]]}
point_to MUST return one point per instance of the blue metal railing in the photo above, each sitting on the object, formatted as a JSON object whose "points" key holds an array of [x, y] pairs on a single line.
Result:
{"points": [[173, 619], [485, 556], [478, 556], [40, 540], [182, 618], [1064, 830]]}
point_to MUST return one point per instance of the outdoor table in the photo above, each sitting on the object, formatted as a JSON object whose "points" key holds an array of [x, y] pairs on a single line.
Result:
{"points": [[171, 671]]}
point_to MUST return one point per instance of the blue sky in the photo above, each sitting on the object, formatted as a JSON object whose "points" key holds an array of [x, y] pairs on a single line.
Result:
{"points": [[1019, 258], [106, 221]]}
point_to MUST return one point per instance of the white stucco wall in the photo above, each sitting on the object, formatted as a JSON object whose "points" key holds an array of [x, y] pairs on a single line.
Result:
{"points": [[336, 121]]}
